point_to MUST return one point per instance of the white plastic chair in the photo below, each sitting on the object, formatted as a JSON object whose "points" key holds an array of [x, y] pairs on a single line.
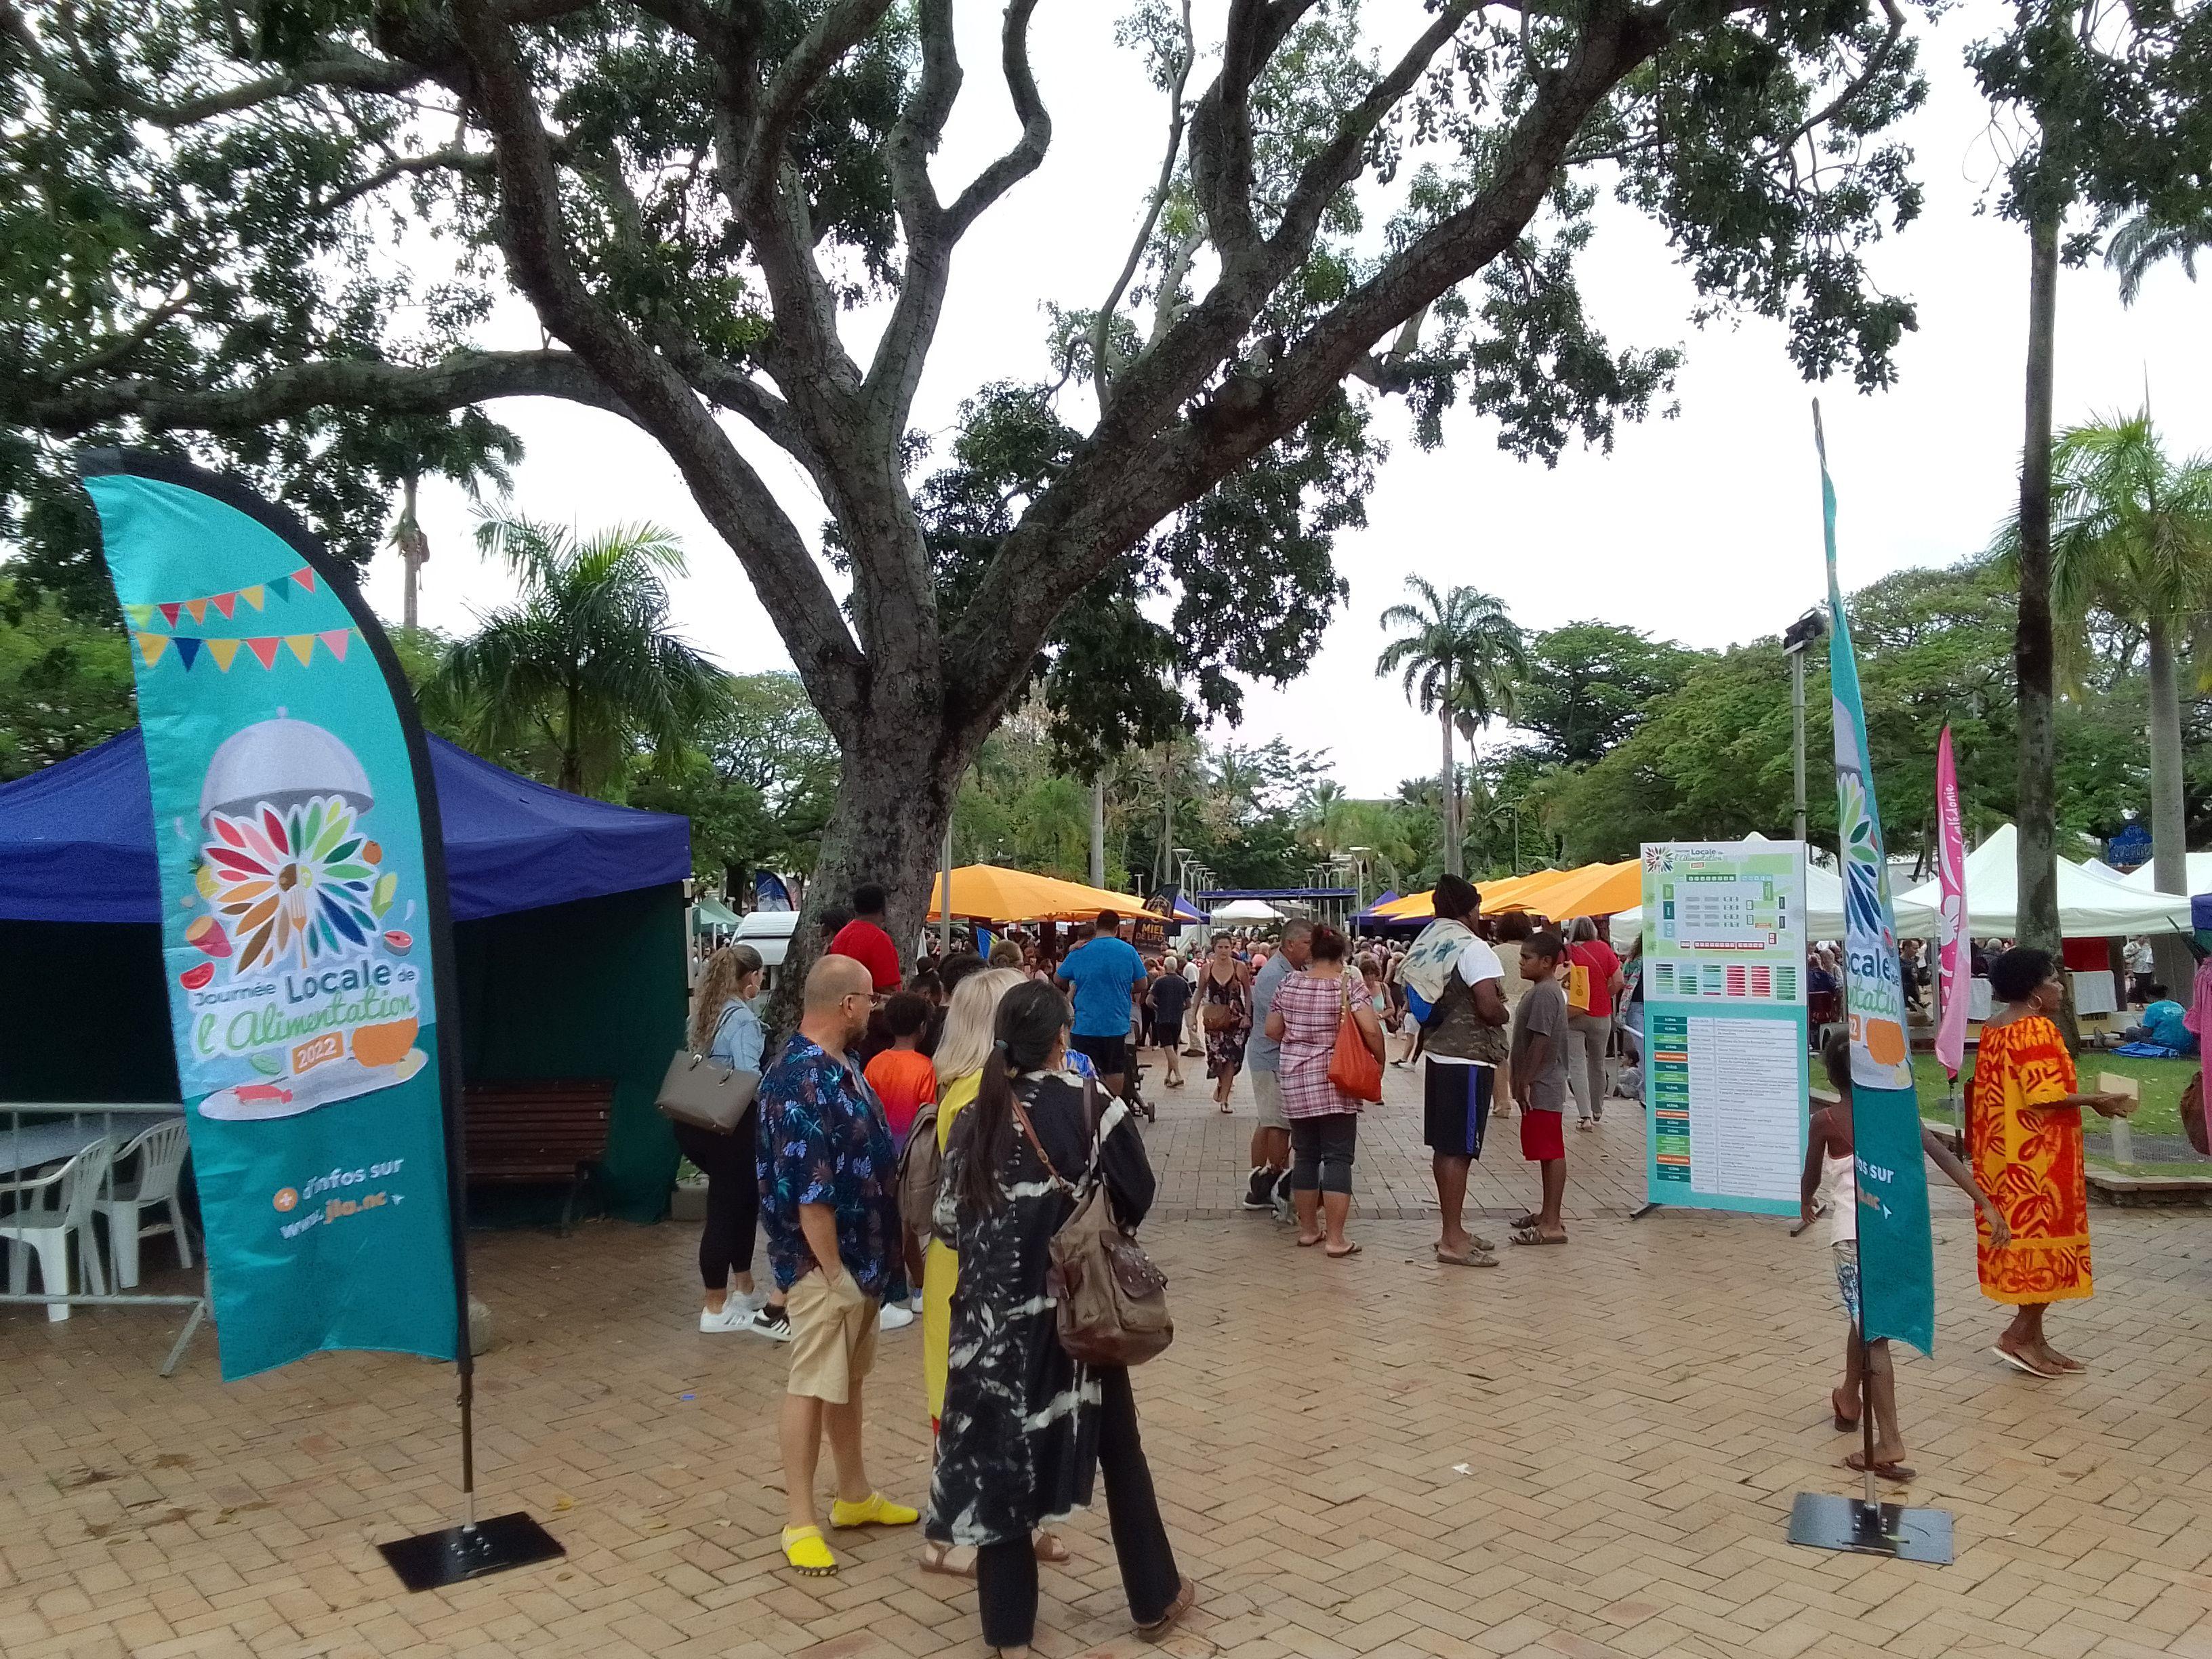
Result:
{"points": [[42, 1213], [160, 1154]]}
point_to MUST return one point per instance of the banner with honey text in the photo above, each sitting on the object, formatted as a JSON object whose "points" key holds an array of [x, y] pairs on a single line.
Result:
{"points": [[304, 928]]}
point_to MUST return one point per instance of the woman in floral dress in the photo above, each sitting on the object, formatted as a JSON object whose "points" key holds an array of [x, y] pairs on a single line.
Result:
{"points": [[1223, 986], [2024, 1144]]}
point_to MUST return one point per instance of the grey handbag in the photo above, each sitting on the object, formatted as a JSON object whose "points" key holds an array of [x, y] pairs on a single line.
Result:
{"points": [[702, 1091]]}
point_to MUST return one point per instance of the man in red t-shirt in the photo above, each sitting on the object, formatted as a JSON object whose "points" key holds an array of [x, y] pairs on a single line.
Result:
{"points": [[1589, 1030], [864, 940]]}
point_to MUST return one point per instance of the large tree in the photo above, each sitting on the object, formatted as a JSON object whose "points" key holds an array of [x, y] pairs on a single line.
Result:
{"points": [[1591, 683], [2112, 107], [212, 223], [2131, 542]]}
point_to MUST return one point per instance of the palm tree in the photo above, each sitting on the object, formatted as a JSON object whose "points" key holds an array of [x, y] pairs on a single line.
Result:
{"points": [[2143, 241], [1461, 657], [2131, 538], [469, 450], [583, 662]]}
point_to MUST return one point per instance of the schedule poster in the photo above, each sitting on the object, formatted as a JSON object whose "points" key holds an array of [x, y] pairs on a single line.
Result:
{"points": [[1724, 1065]]}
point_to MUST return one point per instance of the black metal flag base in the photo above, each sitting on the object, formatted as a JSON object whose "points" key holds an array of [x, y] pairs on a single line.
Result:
{"points": [[430, 1560], [1822, 1521]]}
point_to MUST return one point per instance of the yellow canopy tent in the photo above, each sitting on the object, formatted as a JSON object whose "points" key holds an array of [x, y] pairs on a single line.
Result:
{"points": [[1419, 907], [991, 893], [1595, 890]]}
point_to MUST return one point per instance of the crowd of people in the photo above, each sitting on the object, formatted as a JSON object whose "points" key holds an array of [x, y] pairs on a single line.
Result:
{"points": [[917, 1143]]}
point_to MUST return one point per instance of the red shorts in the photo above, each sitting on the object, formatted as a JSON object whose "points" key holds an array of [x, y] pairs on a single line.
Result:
{"points": [[1541, 1137]]}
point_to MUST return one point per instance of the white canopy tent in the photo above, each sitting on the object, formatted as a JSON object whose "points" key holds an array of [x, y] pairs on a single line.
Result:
{"points": [[2144, 879], [1251, 910], [2090, 906], [1824, 909]]}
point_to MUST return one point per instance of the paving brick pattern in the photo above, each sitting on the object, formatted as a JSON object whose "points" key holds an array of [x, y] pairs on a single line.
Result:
{"points": [[1589, 1452]]}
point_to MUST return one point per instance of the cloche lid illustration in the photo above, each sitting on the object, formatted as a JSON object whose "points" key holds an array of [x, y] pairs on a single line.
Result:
{"points": [[281, 762]]}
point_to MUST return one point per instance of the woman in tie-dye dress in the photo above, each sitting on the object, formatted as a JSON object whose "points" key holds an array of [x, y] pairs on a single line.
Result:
{"points": [[2024, 1144]]}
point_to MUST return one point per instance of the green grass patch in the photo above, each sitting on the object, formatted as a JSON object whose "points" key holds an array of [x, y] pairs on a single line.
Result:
{"points": [[2162, 1081]]}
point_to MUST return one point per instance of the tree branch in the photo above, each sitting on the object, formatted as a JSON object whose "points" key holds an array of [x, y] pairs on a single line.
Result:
{"points": [[1112, 492], [931, 233], [1029, 150], [729, 492], [466, 378], [1102, 324]]}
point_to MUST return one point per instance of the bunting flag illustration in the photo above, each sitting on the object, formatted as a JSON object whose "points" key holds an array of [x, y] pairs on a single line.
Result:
{"points": [[262, 649], [255, 594]]}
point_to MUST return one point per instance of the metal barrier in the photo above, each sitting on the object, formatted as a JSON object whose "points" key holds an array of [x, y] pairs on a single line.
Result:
{"points": [[23, 1148]]}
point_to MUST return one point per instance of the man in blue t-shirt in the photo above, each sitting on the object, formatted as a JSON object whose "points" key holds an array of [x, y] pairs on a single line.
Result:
{"points": [[1104, 976], [2163, 1024]]}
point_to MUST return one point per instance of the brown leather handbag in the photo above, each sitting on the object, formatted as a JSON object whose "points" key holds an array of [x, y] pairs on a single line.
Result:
{"points": [[1111, 1296]]}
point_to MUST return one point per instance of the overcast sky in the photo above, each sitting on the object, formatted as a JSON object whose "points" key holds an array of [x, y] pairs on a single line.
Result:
{"points": [[1705, 528]]}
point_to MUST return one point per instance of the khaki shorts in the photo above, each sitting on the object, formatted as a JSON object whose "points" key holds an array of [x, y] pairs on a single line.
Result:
{"points": [[1268, 1099], [833, 1337]]}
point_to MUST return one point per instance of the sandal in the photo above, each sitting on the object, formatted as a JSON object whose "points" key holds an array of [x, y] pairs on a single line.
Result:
{"points": [[806, 1552], [2020, 1365], [1479, 1257], [1186, 1599], [1530, 1235], [1348, 1250], [1896, 1473], [938, 1558], [1049, 1549]]}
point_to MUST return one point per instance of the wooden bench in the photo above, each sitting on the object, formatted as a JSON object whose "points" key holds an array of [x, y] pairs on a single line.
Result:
{"points": [[538, 1132]]}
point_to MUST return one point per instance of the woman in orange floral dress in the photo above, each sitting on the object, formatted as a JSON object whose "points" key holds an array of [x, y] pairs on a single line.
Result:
{"points": [[2024, 1144]]}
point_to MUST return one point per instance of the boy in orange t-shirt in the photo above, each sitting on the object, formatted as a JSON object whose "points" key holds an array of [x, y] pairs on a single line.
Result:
{"points": [[904, 1080], [903, 1076]]}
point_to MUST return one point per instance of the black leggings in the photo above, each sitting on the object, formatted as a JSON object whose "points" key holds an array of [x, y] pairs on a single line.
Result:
{"points": [[1006, 1573], [1322, 1148], [733, 1197]]}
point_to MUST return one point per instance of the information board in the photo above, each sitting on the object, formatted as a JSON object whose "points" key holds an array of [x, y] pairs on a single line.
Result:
{"points": [[1724, 1021]]}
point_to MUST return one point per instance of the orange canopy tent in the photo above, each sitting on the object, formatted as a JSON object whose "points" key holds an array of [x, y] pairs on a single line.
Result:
{"points": [[1593, 890], [991, 893]]}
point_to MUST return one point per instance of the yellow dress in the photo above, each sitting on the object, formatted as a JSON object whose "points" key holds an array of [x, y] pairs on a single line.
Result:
{"points": [[941, 1267], [2026, 1150]]}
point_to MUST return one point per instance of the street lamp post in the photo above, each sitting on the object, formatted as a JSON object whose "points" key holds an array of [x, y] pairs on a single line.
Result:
{"points": [[1807, 629]]}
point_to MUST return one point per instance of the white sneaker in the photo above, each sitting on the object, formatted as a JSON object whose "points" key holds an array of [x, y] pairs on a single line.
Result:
{"points": [[773, 1323], [738, 1311], [895, 1316]]}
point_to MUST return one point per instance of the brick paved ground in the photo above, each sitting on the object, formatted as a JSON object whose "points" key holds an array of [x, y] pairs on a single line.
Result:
{"points": [[1589, 1452]]}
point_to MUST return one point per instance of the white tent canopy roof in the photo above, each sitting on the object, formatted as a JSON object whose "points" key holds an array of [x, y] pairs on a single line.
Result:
{"points": [[2144, 879], [2090, 906], [1246, 910], [1823, 908]]}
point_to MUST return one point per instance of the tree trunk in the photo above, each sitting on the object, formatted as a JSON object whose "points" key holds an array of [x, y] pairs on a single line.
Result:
{"points": [[895, 796], [2174, 967], [413, 549], [1099, 830], [1167, 860], [1447, 782], [572, 748], [2033, 662]]}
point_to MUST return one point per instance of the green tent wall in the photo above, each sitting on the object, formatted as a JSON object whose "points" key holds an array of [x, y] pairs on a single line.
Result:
{"points": [[591, 988]]}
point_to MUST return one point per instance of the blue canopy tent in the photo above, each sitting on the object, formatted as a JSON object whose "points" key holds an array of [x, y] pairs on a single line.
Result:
{"points": [[569, 937]]}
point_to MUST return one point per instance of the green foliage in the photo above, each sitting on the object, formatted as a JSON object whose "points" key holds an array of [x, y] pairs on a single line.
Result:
{"points": [[757, 775], [583, 664], [1712, 757], [1589, 684], [1239, 583], [64, 684]]}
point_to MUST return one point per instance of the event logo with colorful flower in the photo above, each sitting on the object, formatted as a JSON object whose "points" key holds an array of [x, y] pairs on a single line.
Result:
{"points": [[303, 882]]}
